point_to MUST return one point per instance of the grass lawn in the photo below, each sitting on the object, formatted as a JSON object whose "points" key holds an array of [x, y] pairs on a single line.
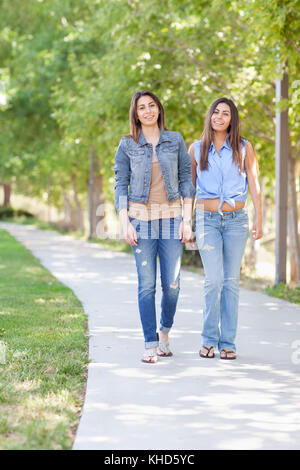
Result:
{"points": [[43, 354], [282, 291]]}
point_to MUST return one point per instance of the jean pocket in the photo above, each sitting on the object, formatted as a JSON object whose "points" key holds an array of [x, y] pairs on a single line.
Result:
{"points": [[242, 216]]}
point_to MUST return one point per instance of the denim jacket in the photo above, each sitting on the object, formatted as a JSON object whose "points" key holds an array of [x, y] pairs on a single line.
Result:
{"points": [[133, 164]]}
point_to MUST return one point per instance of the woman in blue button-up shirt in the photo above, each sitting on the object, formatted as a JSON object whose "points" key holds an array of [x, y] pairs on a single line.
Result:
{"points": [[153, 175], [223, 166]]}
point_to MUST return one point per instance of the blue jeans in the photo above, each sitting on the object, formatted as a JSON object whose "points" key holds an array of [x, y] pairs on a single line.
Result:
{"points": [[221, 242], [157, 238]]}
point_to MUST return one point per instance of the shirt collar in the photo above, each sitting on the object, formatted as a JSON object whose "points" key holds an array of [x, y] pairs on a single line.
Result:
{"points": [[226, 144]]}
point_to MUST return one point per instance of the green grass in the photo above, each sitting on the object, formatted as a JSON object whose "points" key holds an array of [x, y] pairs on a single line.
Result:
{"points": [[282, 291], [43, 334]]}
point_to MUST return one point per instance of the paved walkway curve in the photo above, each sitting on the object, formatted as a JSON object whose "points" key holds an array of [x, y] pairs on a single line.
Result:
{"points": [[182, 402]]}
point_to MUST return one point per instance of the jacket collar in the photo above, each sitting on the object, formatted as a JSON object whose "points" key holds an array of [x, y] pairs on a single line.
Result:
{"points": [[164, 137]]}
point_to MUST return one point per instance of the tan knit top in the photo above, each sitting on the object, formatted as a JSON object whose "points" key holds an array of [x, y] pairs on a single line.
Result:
{"points": [[157, 206]]}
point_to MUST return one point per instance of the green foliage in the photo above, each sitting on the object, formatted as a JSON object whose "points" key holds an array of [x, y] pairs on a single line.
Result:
{"points": [[70, 67], [10, 212]]}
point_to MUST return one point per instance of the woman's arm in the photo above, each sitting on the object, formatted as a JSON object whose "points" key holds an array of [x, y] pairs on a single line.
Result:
{"points": [[188, 204], [186, 187], [122, 177], [122, 180], [194, 164], [251, 166], [186, 190]]}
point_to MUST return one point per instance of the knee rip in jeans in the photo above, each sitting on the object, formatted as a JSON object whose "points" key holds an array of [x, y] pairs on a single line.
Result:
{"points": [[174, 285], [208, 248], [144, 263]]}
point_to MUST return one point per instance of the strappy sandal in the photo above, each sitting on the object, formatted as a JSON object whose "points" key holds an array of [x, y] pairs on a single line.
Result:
{"points": [[149, 356], [208, 349], [226, 352], [163, 349]]}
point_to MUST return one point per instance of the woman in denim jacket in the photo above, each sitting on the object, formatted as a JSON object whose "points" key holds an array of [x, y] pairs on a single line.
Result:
{"points": [[152, 176], [223, 166]]}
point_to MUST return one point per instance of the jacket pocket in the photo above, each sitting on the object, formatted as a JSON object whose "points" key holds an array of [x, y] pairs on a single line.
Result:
{"points": [[170, 148]]}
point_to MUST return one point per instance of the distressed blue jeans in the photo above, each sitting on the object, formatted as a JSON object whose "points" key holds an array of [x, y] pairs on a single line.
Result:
{"points": [[157, 238], [221, 241]]}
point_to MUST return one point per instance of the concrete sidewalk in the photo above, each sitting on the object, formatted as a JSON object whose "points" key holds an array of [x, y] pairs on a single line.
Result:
{"points": [[183, 402]]}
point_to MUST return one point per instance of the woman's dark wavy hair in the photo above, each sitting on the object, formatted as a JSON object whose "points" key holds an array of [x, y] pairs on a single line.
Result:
{"points": [[233, 134], [135, 125]]}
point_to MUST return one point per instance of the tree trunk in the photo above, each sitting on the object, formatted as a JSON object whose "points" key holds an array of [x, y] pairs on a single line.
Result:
{"points": [[78, 208], [7, 194], [293, 221], [99, 197], [67, 208], [49, 200], [265, 206], [70, 222], [91, 193], [96, 194]]}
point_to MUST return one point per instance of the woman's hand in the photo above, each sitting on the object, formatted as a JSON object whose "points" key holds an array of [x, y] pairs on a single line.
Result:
{"points": [[130, 235], [127, 229], [185, 231], [257, 230], [251, 166]]}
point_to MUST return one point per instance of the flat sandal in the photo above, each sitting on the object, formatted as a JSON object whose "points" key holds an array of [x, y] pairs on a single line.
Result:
{"points": [[149, 356], [208, 349], [226, 358], [164, 349]]}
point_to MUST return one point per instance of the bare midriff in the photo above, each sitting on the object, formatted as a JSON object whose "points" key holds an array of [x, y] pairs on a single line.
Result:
{"points": [[212, 205]]}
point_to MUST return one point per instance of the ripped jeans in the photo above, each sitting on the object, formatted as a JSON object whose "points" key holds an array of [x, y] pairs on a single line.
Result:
{"points": [[157, 238], [221, 242]]}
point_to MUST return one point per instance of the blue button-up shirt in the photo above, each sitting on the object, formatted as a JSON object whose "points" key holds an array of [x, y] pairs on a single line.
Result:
{"points": [[223, 178]]}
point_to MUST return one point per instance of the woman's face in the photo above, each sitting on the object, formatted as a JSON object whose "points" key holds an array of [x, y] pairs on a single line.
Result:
{"points": [[147, 111], [221, 117]]}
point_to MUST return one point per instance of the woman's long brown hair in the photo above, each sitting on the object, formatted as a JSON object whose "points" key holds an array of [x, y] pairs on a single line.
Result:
{"points": [[135, 125], [233, 135]]}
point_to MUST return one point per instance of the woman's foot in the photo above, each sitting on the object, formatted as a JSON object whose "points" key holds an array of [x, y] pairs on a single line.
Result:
{"points": [[163, 349], [227, 354], [150, 356], [207, 352]]}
